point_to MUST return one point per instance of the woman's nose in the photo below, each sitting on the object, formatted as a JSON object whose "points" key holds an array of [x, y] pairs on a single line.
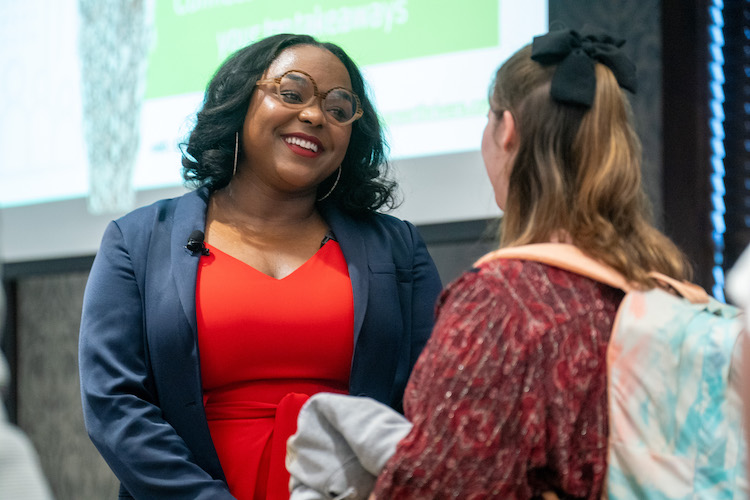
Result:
{"points": [[313, 113]]}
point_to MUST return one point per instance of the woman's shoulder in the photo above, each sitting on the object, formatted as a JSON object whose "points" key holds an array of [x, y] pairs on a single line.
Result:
{"points": [[164, 209], [392, 223], [529, 273], [507, 273], [375, 227], [523, 283], [497, 278], [372, 219], [161, 219]]}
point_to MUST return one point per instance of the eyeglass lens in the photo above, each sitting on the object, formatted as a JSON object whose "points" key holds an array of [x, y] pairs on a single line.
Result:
{"points": [[296, 89]]}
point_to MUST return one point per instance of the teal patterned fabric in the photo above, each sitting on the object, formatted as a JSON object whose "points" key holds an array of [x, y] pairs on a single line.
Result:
{"points": [[675, 409]]}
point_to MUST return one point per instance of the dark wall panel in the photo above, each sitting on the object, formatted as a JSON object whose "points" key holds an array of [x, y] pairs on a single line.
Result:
{"points": [[48, 395], [639, 23]]}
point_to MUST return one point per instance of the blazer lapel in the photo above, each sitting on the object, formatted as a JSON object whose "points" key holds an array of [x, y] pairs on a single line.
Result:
{"points": [[349, 238], [189, 215]]}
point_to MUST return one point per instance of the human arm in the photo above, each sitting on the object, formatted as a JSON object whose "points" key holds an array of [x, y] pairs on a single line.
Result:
{"points": [[395, 286], [508, 399], [419, 287], [426, 289], [120, 402], [463, 400]]}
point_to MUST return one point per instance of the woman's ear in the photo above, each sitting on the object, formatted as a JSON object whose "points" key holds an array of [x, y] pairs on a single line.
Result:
{"points": [[508, 138]]}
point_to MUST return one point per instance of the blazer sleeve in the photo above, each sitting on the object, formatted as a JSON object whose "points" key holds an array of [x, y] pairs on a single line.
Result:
{"points": [[401, 287], [420, 314], [425, 290], [120, 405]]}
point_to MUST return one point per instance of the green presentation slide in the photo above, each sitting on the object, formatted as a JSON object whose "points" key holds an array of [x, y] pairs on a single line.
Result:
{"points": [[131, 78], [195, 36]]}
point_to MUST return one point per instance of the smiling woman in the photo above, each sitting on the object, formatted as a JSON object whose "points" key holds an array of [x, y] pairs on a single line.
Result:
{"points": [[274, 127], [209, 319]]}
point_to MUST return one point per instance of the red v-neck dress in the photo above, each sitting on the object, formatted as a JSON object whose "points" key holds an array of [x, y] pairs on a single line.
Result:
{"points": [[266, 345]]}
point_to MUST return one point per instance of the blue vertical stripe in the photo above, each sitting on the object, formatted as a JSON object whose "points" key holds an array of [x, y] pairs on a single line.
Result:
{"points": [[716, 105]]}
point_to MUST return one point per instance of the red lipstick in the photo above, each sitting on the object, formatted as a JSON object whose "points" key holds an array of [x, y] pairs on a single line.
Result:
{"points": [[303, 145]]}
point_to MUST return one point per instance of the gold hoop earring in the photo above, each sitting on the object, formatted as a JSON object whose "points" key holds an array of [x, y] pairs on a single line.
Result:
{"points": [[236, 149], [338, 176]]}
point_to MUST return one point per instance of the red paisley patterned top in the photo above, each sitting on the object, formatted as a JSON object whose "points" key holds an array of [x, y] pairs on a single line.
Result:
{"points": [[508, 399]]}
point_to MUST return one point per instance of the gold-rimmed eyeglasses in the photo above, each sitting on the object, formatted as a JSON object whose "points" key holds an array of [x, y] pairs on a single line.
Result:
{"points": [[297, 89]]}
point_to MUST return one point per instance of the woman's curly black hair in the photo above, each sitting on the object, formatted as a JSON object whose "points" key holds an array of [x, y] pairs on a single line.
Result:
{"points": [[208, 155]]}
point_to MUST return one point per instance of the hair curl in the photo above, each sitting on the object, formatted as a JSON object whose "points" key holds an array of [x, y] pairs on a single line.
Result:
{"points": [[208, 154], [578, 172]]}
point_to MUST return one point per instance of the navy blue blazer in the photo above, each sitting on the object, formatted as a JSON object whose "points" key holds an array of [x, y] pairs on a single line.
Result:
{"points": [[138, 348]]}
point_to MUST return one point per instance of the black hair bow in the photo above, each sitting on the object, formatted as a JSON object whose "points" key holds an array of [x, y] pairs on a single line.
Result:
{"points": [[575, 53]]}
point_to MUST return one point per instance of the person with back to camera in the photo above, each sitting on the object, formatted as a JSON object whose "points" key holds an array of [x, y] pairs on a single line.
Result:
{"points": [[509, 397], [196, 351]]}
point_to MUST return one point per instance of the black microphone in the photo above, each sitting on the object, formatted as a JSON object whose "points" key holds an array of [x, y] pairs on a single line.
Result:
{"points": [[195, 243]]}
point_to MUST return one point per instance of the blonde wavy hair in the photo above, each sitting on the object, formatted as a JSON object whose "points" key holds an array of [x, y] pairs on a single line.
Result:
{"points": [[577, 172]]}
